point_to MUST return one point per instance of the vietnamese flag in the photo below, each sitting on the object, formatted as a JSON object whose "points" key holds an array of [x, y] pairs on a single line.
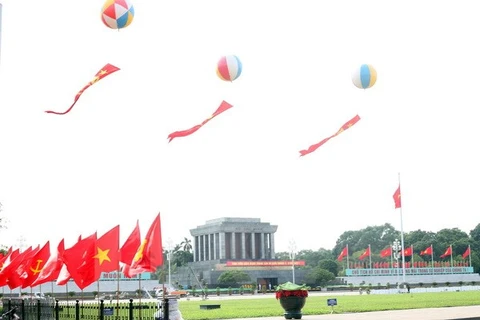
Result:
{"points": [[74, 257], [150, 253], [365, 254], [224, 106], [6, 266], [51, 268], [105, 71], [342, 254], [408, 252], [37, 263], [18, 266], [429, 251], [466, 253], [129, 249], [387, 252], [315, 146], [104, 258], [397, 198], [447, 253]]}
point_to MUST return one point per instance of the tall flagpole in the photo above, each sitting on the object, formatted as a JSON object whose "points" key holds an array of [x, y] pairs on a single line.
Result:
{"points": [[401, 236], [433, 267], [348, 266], [469, 256], [370, 256], [451, 259]]}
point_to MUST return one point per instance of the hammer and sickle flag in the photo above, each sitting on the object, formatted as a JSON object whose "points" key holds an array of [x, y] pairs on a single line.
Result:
{"points": [[224, 106], [105, 71], [149, 254]]}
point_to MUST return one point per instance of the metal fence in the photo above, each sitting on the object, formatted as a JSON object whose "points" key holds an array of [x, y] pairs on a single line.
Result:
{"points": [[50, 309]]}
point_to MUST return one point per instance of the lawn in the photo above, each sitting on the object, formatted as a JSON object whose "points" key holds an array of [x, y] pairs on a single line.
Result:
{"points": [[265, 307]]}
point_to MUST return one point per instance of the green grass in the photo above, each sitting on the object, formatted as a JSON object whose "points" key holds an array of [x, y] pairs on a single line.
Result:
{"points": [[315, 305]]}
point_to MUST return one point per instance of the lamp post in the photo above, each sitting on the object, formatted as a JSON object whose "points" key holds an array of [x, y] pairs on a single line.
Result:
{"points": [[396, 247], [293, 248]]}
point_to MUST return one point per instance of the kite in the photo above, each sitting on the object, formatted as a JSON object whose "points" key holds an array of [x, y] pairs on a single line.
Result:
{"points": [[117, 14], [315, 146], [364, 77], [229, 68], [105, 71], [224, 106]]}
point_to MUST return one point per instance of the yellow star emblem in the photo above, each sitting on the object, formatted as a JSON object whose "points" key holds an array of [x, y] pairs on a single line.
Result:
{"points": [[102, 255], [139, 254]]}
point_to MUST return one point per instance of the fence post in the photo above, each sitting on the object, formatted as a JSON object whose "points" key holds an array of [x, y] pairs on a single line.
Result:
{"points": [[166, 313], [39, 310], [22, 308], [77, 310], [130, 310], [102, 307], [57, 311]]}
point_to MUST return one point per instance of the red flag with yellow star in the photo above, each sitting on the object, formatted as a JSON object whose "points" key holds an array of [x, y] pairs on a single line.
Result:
{"points": [[104, 257], [315, 146], [150, 253], [105, 71], [36, 265], [224, 106]]}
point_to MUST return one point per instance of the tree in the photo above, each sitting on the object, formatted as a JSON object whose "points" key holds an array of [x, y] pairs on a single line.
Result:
{"points": [[233, 278], [319, 276], [186, 244], [329, 265]]}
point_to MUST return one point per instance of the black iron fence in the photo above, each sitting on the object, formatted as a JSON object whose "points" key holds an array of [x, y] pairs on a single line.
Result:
{"points": [[50, 309]]}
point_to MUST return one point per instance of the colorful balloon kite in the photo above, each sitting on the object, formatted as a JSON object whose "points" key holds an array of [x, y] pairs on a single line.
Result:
{"points": [[105, 71], [117, 14], [229, 68], [364, 77]]}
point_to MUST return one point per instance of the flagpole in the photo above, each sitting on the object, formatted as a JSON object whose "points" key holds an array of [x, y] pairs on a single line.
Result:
{"points": [[391, 256], [370, 256], [451, 259], [401, 238], [411, 260], [469, 256], [433, 270], [348, 265]]}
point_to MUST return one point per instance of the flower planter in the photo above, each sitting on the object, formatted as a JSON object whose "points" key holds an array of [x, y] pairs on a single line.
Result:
{"points": [[293, 306], [292, 299]]}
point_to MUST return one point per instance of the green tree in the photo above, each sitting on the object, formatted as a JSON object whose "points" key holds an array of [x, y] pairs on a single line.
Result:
{"points": [[186, 244], [329, 265], [377, 236], [234, 278], [319, 276]]}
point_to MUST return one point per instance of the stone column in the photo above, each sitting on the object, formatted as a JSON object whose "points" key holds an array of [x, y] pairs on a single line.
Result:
{"points": [[221, 243], [253, 246], [272, 246], [215, 246], [233, 251], [205, 239], [243, 245], [262, 245]]}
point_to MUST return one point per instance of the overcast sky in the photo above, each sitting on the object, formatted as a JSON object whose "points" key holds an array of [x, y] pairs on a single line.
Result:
{"points": [[108, 162]]}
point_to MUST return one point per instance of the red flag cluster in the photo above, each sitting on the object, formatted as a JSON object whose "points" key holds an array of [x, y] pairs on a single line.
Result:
{"points": [[85, 260], [315, 146], [105, 71]]}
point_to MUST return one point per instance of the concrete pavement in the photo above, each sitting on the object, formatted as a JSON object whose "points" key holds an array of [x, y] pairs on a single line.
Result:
{"points": [[451, 313]]}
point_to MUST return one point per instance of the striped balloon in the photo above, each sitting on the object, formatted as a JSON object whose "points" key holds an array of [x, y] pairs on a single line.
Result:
{"points": [[117, 14], [364, 77], [229, 68]]}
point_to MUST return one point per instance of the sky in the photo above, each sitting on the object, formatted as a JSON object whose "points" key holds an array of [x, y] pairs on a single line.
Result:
{"points": [[108, 161]]}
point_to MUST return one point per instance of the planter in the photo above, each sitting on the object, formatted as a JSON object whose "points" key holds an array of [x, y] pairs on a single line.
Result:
{"points": [[293, 306]]}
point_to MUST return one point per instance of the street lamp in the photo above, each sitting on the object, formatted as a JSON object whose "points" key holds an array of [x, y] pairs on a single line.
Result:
{"points": [[397, 248], [293, 248]]}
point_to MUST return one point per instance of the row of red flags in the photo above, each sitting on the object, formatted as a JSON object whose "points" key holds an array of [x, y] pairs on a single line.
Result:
{"points": [[224, 106], [407, 252], [416, 264], [85, 260]]}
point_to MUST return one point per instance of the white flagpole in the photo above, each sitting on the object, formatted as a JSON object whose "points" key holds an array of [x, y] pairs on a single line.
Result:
{"points": [[391, 256], [401, 235], [433, 270], [370, 256], [348, 265], [451, 259], [411, 260], [469, 256]]}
